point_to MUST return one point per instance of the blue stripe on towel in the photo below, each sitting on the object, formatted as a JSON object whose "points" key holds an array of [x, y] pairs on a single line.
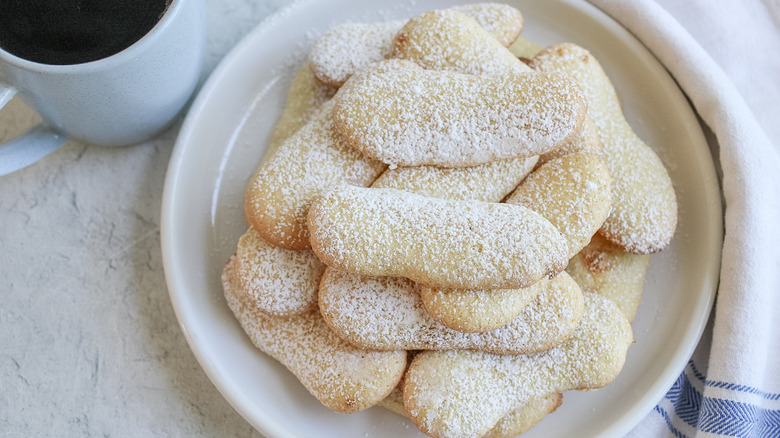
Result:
{"points": [[695, 371], [685, 399], [669, 424], [743, 388], [719, 416], [727, 417]]}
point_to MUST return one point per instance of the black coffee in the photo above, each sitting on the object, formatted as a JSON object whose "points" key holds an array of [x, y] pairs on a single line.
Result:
{"points": [[75, 31]]}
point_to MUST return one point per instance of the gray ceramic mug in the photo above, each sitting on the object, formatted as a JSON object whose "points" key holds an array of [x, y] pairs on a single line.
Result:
{"points": [[122, 99]]}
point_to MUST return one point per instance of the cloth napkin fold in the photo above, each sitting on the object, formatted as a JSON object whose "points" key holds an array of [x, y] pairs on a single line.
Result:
{"points": [[731, 385]]}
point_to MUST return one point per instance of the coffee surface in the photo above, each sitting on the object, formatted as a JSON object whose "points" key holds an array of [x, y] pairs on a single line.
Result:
{"points": [[75, 31]]}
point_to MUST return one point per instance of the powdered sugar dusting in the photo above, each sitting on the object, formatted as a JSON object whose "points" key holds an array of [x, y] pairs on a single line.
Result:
{"points": [[313, 159], [586, 140], [437, 242], [489, 182], [348, 47], [447, 39], [522, 419], [526, 416], [644, 205], [502, 21], [304, 98], [344, 378], [572, 192], [405, 116], [459, 393], [386, 313], [469, 310], [279, 281]]}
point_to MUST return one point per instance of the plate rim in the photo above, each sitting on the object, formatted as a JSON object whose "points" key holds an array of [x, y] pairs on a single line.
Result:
{"points": [[264, 423]]}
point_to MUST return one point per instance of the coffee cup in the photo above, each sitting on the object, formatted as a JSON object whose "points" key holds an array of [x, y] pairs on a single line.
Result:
{"points": [[112, 73]]}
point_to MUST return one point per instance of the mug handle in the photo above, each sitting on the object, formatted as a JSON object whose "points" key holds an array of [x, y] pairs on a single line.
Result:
{"points": [[29, 147]]}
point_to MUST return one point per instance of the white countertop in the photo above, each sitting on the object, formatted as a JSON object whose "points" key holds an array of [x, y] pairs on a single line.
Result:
{"points": [[90, 343]]}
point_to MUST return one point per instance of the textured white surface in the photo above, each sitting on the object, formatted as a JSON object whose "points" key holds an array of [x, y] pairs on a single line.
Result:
{"points": [[89, 343]]}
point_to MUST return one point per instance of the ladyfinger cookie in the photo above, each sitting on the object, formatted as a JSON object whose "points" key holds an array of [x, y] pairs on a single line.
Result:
{"points": [[277, 281], [503, 21], [342, 377], [524, 49], [525, 417], [489, 182], [304, 97], [446, 39], [463, 393], [346, 48], [644, 205], [478, 310], [573, 192], [513, 424], [349, 47], [313, 159], [406, 116], [436, 242], [604, 268], [586, 140], [386, 313]]}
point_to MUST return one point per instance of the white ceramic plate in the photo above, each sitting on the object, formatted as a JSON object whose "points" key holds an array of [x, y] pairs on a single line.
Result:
{"points": [[224, 138]]}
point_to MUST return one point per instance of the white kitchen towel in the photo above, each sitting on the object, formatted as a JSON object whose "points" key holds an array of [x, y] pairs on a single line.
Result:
{"points": [[731, 385]]}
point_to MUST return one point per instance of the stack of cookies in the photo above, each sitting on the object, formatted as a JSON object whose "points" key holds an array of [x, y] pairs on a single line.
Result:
{"points": [[451, 222]]}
